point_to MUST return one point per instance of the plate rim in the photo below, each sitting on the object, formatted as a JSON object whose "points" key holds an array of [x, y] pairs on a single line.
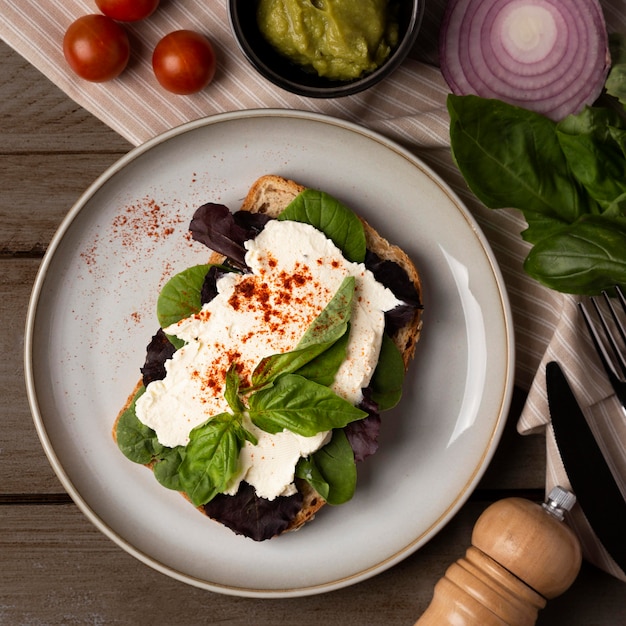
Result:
{"points": [[39, 422]]}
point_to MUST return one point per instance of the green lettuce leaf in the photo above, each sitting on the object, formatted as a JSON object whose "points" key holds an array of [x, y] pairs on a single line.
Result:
{"points": [[180, 296], [137, 441], [331, 217], [388, 378], [166, 468], [331, 471]]}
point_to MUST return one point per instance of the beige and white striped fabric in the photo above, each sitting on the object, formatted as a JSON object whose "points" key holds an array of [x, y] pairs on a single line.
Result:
{"points": [[408, 107]]}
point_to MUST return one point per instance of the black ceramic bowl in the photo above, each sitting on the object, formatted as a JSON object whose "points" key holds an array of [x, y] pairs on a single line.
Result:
{"points": [[282, 72]]}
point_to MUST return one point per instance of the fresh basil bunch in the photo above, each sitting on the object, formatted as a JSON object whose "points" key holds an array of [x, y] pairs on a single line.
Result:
{"points": [[568, 179]]}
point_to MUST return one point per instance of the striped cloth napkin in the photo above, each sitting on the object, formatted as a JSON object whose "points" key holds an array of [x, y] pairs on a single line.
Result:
{"points": [[408, 107]]}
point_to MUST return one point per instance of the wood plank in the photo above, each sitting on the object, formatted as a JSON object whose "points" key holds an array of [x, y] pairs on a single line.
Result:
{"points": [[51, 151], [23, 465], [56, 568], [37, 192], [36, 116]]}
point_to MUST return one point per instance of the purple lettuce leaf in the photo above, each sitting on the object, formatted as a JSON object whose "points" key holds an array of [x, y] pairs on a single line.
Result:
{"points": [[159, 350], [390, 274], [394, 277], [257, 518], [209, 286], [218, 229], [363, 434], [254, 223]]}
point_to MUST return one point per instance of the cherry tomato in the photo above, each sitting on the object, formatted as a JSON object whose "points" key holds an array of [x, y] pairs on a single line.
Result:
{"points": [[184, 62], [96, 48], [128, 10]]}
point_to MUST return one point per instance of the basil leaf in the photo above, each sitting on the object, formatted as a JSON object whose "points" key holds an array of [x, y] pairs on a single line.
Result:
{"points": [[388, 378], [584, 258], [301, 406], [619, 137], [271, 367], [330, 325], [541, 226], [323, 368], [332, 322], [331, 471], [616, 80], [594, 156], [232, 397], [166, 469], [331, 217], [617, 209], [231, 393], [180, 296], [137, 441], [211, 458], [617, 46], [510, 157]]}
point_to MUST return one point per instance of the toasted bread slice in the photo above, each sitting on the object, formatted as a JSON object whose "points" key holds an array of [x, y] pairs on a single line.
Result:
{"points": [[270, 194]]}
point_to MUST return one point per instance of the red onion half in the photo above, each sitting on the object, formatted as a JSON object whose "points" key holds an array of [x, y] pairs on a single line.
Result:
{"points": [[549, 56]]}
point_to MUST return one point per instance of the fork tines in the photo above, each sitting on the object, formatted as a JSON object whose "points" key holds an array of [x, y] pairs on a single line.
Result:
{"points": [[608, 333]]}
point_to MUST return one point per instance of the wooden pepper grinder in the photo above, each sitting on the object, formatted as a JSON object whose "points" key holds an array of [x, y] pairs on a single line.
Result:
{"points": [[522, 555]]}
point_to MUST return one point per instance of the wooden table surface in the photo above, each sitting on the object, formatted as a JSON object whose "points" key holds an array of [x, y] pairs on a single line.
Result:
{"points": [[55, 566]]}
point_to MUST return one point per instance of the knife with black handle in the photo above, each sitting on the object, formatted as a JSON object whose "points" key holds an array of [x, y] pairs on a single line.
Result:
{"points": [[590, 476]]}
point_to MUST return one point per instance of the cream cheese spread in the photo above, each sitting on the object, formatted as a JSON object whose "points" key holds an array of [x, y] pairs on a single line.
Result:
{"points": [[295, 271]]}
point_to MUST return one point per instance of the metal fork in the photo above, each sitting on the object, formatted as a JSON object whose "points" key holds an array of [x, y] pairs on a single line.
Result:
{"points": [[608, 333]]}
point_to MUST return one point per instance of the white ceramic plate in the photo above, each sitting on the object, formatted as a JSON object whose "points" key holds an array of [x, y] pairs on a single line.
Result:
{"points": [[92, 314]]}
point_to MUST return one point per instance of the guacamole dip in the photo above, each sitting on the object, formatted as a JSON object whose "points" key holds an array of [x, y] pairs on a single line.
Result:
{"points": [[339, 39]]}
